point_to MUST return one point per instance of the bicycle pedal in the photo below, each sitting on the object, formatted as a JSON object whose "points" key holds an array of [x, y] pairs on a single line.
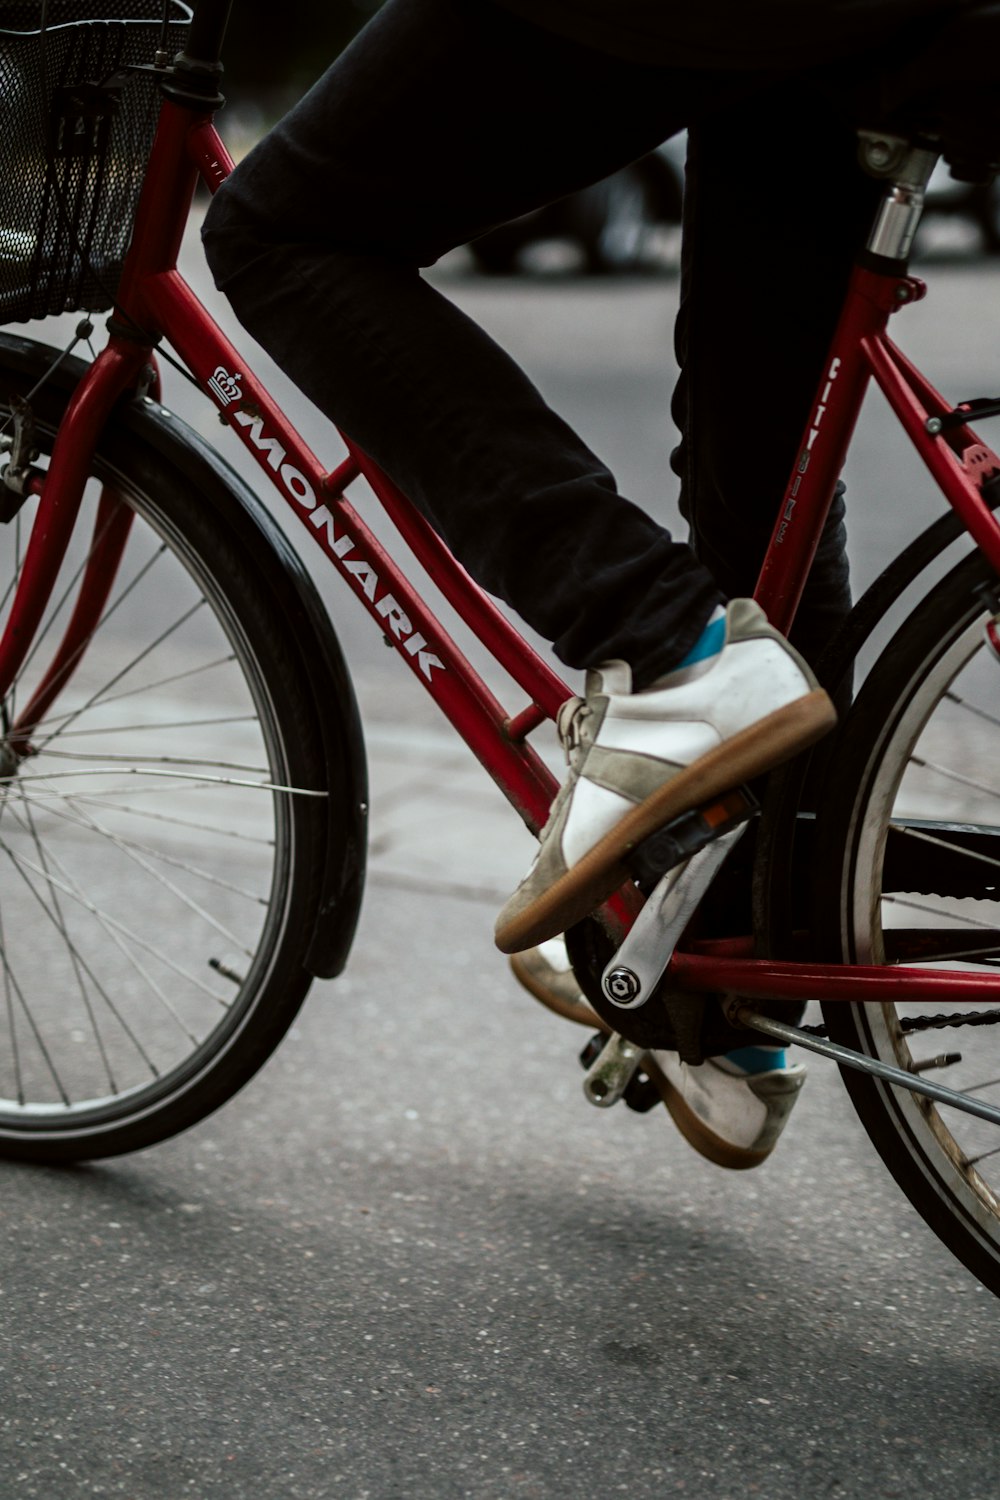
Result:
{"points": [[686, 834], [612, 1070], [641, 1093]]}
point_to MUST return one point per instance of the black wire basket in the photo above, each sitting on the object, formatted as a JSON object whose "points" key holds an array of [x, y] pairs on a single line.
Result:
{"points": [[76, 127]]}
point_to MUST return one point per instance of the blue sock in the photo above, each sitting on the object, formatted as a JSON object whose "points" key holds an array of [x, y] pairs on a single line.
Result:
{"points": [[758, 1059], [709, 643]]}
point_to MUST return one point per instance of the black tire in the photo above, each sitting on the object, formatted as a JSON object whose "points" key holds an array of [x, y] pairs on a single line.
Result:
{"points": [[163, 840], [907, 872]]}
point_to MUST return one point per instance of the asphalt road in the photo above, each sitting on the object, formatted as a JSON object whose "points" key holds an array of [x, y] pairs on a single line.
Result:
{"points": [[409, 1260]]}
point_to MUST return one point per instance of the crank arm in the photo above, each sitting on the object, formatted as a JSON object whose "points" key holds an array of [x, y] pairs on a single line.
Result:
{"points": [[636, 968], [743, 1014]]}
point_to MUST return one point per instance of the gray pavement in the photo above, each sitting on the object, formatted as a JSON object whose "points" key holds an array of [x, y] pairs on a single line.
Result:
{"points": [[409, 1260]]}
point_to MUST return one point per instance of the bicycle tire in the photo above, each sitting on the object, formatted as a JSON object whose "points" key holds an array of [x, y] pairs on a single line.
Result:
{"points": [[906, 874], [163, 841]]}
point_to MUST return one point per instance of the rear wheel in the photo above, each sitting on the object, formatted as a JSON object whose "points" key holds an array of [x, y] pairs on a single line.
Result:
{"points": [[162, 816], [909, 873]]}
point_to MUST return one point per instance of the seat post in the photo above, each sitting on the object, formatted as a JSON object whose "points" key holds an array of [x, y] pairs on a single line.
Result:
{"points": [[906, 169]]}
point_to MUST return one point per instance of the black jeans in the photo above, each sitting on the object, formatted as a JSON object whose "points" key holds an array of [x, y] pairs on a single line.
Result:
{"points": [[446, 117]]}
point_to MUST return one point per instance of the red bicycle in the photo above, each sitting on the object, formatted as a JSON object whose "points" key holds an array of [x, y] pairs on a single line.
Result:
{"points": [[184, 797]]}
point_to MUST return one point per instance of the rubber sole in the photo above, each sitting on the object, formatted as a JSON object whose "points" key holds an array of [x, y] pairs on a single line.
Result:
{"points": [[694, 1130], [768, 743], [533, 981]]}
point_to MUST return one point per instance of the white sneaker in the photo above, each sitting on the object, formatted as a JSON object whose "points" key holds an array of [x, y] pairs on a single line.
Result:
{"points": [[547, 973], [637, 760], [731, 1117]]}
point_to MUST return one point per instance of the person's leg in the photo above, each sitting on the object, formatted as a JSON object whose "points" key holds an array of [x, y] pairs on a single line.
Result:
{"points": [[443, 118], [768, 249]]}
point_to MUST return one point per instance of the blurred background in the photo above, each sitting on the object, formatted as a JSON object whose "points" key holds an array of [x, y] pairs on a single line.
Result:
{"points": [[266, 80], [409, 1260], [628, 224]]}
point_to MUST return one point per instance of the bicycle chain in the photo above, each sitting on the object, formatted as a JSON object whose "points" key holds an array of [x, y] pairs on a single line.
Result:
{"points": [[929, 1023]]}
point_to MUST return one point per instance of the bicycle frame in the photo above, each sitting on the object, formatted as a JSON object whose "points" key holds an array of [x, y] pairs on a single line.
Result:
{"points": [[154, 298]]}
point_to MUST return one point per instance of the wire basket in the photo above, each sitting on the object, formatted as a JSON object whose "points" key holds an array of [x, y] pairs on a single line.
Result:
{"points": [[76, 129]]}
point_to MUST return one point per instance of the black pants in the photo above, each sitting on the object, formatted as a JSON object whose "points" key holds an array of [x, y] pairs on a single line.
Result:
{"points": [[446, 117]]}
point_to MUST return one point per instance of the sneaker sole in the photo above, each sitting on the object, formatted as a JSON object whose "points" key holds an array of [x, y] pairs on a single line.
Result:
{"points": [[571, 1010], [761, 747], [694, 1130]]}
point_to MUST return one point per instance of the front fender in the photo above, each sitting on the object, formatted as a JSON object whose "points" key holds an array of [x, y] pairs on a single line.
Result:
{"points": [[196, 463]]}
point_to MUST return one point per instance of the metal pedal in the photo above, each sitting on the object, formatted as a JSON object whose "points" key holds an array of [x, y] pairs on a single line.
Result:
{"points": [[612, 1071], [640, 1094], [684, 836]]}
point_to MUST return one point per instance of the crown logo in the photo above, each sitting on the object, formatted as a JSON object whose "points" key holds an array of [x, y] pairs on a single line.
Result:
{"points": [[224, 387]]}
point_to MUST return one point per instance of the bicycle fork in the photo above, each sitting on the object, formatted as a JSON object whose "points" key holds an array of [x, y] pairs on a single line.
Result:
{"points": [[60, 492]]}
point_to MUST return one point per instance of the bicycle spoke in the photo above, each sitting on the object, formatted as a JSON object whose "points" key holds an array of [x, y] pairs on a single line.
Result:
{"points": [[129, 958], [150, 770], [8, 592], [113, 729], [133, 692], [978, 1088], [974, 1161], [148, 981], [113, 925], [9, 1007], [157, 854], [955, 776], [930, 838], [915, 947], [112, 760], [935, 911], [157, 876], [129, 666], [972, 708], [39, 1039], [11, 707], [75, 958], [201, 827], [55, 609]]}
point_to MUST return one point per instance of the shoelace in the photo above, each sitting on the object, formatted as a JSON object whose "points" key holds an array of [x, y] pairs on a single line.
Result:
{"points": [[569, 724]]}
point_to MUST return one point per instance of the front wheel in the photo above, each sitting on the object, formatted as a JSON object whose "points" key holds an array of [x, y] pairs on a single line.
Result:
{"points": [[908, 855], [162, 815]]}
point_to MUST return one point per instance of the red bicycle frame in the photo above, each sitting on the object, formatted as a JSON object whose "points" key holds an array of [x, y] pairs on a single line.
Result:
{"points": [[154, 300]]}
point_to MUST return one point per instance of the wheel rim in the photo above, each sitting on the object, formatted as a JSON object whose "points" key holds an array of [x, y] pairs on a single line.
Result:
{"points": [[933, 765], [143, 840]]}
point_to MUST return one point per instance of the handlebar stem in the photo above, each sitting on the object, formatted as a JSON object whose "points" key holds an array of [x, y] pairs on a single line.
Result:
{"points": [[194, 79]]}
